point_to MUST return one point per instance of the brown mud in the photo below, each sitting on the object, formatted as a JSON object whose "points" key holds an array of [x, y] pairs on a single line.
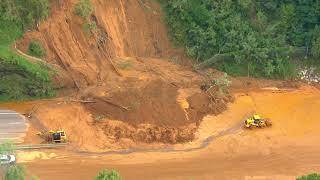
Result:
{"points": [[282, 152], [123, 84]]}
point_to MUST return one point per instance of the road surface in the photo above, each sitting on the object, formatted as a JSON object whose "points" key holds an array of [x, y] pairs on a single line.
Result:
{"points": [[288, 149], [13, 126]]}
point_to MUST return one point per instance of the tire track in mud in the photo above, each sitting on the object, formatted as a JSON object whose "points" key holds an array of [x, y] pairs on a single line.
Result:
{"points": [[204, 144]]}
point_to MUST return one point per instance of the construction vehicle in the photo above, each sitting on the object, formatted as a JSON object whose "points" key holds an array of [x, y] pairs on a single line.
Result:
{"points": [[257, 121], [58, 136]]}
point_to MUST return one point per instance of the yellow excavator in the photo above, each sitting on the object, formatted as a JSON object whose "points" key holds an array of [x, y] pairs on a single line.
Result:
{"points": [[58, 136], [257, 121]]}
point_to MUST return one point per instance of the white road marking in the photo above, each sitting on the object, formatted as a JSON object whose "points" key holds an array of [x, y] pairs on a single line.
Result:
{"points": [[9, 113], [14, 123], [13, 126]]}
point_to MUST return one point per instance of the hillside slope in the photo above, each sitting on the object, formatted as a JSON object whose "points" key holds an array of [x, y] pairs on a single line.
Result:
{"points": [[124, 90], [126, 29]]}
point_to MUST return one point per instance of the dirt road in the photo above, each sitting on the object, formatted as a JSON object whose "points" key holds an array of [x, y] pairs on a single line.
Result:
{"points": [[286, 150]]}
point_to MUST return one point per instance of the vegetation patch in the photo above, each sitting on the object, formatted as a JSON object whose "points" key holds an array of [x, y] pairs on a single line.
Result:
{"points": [[221, 83], [257, 36], [16, 172], [35, 49], [90, 26], [313, 176], [108, 175], [19, 78], [83, 8]]}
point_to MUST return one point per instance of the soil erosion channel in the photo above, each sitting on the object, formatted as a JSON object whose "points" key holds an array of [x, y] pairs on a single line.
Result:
{"points": [[281, 152]]}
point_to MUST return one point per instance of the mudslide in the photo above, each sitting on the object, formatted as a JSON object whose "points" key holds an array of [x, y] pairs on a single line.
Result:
{"points": [[128, 90]]}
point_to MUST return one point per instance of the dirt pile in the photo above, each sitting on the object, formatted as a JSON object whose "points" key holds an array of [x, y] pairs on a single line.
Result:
{"points": [[147, 133], [155, 104], [202, 104]]}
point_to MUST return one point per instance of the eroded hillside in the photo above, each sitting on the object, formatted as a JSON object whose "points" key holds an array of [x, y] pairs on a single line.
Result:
{"points": [[124, 89], [125, 29]]}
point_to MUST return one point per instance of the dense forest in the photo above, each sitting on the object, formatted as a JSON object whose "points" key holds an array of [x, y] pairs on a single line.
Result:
{"points": [[260, 37], [20, 79]]}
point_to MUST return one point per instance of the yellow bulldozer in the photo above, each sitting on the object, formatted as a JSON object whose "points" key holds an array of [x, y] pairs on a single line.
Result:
{"points": [[51, 136], [257, 121]]}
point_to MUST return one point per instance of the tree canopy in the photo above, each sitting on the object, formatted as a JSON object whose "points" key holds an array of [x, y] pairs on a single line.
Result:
{"points": [[26, 12], [258, 33]]}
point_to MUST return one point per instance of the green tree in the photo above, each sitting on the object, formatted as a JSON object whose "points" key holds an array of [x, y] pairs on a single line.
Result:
{"points": [[27, 12], [315, 50], [8, 10], [83, 8], [211, 29], [108, 175]]}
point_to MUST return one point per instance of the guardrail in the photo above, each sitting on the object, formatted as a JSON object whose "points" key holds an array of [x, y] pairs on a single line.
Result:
{"points": [[40, 146]]}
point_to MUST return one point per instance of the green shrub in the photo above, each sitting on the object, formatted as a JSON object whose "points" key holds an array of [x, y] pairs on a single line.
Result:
{"points": [[35, 49], [6, 148], [90, 26], [83, 8], [108, 175], [313, 176], [16, 172]]}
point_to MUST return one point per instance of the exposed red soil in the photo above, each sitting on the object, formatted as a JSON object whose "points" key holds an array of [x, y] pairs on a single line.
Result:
{"points": [[125, 29], [123, 81], [155, 103]]}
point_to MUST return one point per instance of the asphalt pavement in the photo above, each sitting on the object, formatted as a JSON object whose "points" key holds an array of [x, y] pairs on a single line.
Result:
{"points": [[13, 126]]}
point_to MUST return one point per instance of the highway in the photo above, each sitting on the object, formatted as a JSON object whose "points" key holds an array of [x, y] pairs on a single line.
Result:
{"points": [[13, 126]]}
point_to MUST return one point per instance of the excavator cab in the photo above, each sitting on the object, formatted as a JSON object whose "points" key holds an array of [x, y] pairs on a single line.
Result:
{"points": [[256, 118], [59, 136]]}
